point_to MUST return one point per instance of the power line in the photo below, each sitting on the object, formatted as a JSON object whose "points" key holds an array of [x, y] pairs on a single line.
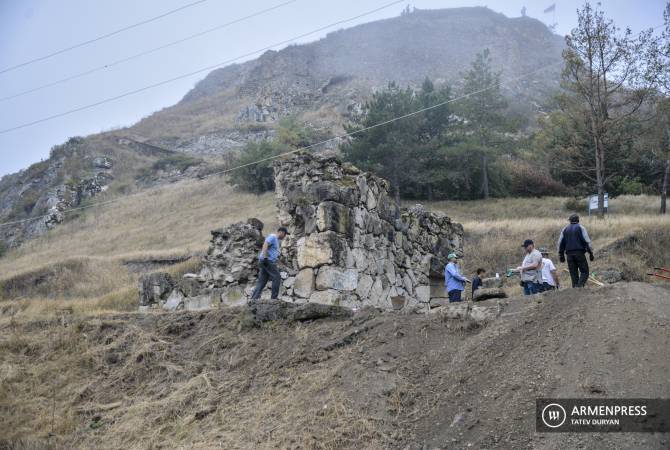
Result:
{"points": [[195, 72], [99, 38], [308, 147], [144, 53]]}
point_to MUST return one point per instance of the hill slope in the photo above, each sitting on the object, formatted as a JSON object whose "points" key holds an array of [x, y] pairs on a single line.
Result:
{"points": [[322, 84], [326, 82], [379, 380]]}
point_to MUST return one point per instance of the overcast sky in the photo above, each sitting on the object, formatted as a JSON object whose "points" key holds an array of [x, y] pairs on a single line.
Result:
{"points": [[31, 29]]}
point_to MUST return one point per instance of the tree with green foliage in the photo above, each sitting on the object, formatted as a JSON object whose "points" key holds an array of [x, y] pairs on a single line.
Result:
{"points": [[253, 165], [402, 150], [485, 120]]}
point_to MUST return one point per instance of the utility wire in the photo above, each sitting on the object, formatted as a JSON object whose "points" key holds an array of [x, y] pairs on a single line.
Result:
{"points": [[144, 53], [308, 147], [99, 38], [195, 72]]}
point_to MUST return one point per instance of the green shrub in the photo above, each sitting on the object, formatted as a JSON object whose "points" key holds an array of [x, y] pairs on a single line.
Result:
{"points": [[3, 248]]}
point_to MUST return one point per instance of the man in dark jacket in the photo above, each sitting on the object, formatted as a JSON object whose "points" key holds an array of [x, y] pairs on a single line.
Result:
{"points": [[575, 242]]}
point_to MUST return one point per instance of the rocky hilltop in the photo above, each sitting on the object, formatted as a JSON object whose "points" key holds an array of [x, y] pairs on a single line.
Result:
{"points": [[326, 83]]}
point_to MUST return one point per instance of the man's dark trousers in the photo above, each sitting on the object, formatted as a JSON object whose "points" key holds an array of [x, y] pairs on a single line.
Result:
{"points": [[267, 271], [454, 296], [578, 267]]}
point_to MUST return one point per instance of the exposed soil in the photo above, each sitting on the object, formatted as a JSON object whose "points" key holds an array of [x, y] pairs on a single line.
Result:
{"points": [[379, 380]]}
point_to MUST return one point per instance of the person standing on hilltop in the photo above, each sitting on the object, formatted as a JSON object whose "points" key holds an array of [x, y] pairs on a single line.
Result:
{"points": [[550, 280], [530, 269], [454, 282], [575, 242], [267, 264]]}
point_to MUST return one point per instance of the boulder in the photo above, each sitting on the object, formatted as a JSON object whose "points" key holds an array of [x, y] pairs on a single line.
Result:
{"points": [[264, 311], [487, 293], [492, 282]]}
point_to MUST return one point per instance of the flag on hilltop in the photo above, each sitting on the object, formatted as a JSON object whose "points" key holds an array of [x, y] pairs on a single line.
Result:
{"points": [[551, 8]]}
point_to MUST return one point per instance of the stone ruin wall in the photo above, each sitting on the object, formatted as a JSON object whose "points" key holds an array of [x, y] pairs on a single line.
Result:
{"points": [[349, 244]]}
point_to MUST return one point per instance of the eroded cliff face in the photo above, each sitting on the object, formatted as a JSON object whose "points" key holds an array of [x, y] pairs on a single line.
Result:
{"points": [[48, 188], [349, 244]]}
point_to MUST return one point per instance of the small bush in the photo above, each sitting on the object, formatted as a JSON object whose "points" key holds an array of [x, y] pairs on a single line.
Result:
{"points": [[175, 162], [528, 180], [3, 248]]}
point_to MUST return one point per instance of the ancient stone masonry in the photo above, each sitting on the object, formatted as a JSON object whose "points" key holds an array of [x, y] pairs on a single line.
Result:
{"points": [[349, 245]]}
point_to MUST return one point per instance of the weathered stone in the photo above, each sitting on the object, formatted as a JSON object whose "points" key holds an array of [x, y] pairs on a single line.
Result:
{"points": [[331, 216], [364, 286], [485, 313], [423, 293], [199, 303], [174, 301], [486, 293], [492, 282], [327, 297], [279, 310], [319, 248], [304, 283], [455, 310], [155, 288], [330, 277]]}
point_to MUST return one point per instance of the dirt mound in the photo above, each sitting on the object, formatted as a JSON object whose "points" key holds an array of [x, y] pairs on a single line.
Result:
{"points": [[376, 380]]}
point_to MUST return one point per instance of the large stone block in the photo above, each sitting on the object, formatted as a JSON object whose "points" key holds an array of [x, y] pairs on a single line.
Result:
{"points": [[332, 216], [364, 286], [487, 293], [330, 277], [327, 297], [303, 286], [319, 249]]}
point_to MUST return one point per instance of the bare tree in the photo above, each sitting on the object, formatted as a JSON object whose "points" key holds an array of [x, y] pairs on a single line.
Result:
{"points": [[608, 75]]}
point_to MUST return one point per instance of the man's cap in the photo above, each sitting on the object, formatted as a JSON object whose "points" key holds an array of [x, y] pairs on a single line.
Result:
{"points": [[452, 256], [283, 229], [574, 218], [527, 242], [543, 250]]}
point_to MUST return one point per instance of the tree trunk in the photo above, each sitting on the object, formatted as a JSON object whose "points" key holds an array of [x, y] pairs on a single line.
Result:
{"points": [[485, 176], [600, 169], [430, 193], [664, 186]]}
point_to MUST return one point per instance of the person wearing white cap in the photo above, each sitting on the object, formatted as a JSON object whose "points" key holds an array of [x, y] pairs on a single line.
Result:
{"points": [[550, 279]]}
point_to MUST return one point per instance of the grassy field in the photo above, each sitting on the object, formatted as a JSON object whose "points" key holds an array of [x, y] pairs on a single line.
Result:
{"points": [[82, 260]]}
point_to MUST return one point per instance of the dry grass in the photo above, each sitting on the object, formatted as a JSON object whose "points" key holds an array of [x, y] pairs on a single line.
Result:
{"points": [[79, 266], [495, 229]]}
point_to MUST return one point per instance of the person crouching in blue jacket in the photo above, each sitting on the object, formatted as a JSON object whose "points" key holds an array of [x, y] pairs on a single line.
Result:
{"points": [[454, 282]]}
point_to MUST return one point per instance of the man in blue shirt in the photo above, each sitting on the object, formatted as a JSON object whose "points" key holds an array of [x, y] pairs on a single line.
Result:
{"points": [[454, 282], [267, 264]]}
